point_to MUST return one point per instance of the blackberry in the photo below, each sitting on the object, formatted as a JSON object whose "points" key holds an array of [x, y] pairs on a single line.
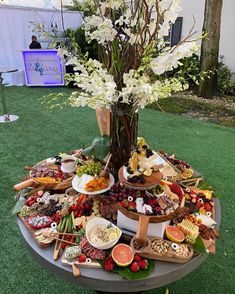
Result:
{"points": [[145, 146], [149, 153], [141, 179], [130, 171], [133, 179]]}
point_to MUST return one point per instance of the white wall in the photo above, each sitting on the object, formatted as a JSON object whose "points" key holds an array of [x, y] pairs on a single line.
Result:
{"points": [[227, 40]]}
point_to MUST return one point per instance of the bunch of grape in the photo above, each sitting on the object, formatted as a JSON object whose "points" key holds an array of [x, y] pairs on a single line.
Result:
{"points": [[120, 192], [93, 168]]}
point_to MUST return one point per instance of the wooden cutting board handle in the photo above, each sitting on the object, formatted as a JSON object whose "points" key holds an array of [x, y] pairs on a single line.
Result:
{"points": [[76, 271], [142, 229], [24, 184]]}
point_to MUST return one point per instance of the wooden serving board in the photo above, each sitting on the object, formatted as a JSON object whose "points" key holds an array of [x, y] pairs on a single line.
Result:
{"points": [[170, 256], [32, 231], [150, 182], [49, 186], [151, 218], [92, 264]]}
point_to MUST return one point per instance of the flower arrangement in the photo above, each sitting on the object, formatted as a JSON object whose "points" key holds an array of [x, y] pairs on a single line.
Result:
{"points": [[134, 60], [133, 55]]}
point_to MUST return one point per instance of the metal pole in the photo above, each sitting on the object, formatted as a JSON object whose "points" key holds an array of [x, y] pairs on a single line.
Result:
{"points": [[4, 105]]}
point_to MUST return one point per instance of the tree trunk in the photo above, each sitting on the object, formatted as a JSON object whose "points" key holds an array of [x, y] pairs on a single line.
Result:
{"points": [[210, 47], [124, 127]]}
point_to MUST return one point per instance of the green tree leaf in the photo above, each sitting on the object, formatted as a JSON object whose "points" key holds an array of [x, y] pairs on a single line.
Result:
{"points": [[99, 147], [199, 246]]}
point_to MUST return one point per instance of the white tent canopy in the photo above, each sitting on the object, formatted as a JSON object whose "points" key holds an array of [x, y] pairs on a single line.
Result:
{"points": [[37, 3], [16, 32]]}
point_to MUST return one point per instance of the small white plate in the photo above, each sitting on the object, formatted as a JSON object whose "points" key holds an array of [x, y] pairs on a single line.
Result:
{"points": [[78, 183]]}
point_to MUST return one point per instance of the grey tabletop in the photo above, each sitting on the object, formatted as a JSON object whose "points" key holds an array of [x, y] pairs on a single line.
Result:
{"points": [[7, 69], [97, 279]]}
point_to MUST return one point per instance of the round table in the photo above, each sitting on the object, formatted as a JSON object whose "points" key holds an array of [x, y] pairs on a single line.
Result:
{"points": [[97, 279], [6, 117]]}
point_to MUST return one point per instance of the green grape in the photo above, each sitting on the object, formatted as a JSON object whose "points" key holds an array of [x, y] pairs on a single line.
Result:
{"points": [[92, 169]]}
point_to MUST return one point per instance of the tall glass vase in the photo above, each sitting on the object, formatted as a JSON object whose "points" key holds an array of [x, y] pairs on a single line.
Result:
{"points": [[124, 128]]}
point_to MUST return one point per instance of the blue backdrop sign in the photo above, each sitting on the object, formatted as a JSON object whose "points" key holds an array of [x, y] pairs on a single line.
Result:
{"points": [[43, 68]]}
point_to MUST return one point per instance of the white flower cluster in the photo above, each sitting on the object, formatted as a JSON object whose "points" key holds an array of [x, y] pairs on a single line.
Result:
{"points": [[170, 59], [96, 87], [100, 29], [144, 32], [113, 4], [141, 92], [170, 10]]}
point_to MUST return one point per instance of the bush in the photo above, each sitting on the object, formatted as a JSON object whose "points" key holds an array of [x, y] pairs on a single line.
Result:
{"points": [[225, 84], [190, 71], [78, 36]]}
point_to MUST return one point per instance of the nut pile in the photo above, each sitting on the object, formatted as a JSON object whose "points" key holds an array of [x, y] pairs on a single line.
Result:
{"points": [[182, 251], [159, 246], [137, 245]]}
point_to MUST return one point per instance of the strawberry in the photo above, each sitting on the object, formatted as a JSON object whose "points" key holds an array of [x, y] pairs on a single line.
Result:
{"points": [[31, 202], [175, 188], [157, 209], [151, 202], [137, 258], [82, 258], [207, 207], [143, 264], [74, 207], [123, 203], [40, 193], [131, 205], [76, 214], [135, 267]]}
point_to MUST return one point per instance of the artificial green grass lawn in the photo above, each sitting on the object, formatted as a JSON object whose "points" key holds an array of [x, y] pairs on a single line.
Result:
{"points": [[39, 134]]}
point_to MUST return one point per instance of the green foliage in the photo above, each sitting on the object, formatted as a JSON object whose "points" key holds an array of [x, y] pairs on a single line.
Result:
{"points": [[84, 6], [99, 147], [76, 38], [126, 272], [199, 246], [225, 84], [55, 100], [190, 71], [18, 206]]}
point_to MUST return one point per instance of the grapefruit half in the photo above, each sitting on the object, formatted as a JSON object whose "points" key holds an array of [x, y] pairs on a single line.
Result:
{"points": [[174, 234], [122, 254]]}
